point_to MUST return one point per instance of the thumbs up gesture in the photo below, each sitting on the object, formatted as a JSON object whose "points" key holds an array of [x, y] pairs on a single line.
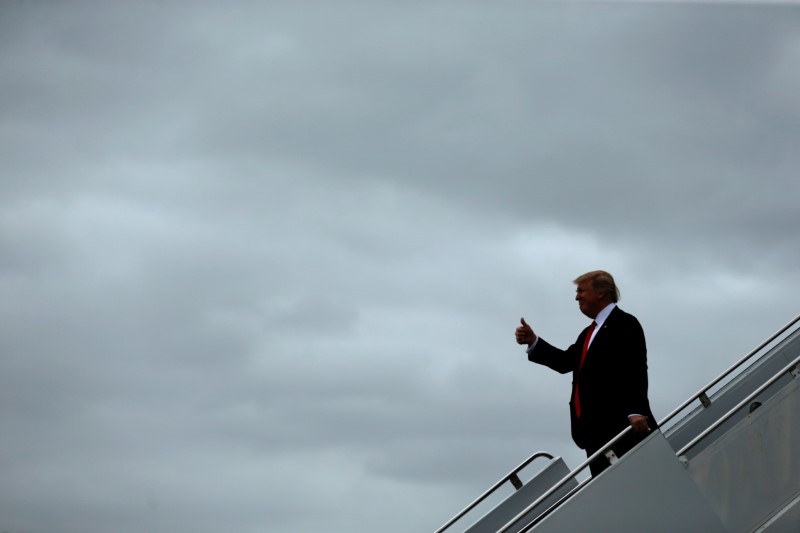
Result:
{"points": [[524, 333]]}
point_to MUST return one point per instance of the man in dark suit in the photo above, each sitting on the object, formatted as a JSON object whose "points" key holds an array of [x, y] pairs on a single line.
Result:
{"points": [[609, 367]]}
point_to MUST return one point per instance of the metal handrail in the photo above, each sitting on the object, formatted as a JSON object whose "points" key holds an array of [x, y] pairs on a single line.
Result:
{"points": [[564, 481], [683, 450], [739, 405], [479, 499], [530, 525], [699, 395], [702, 392]]}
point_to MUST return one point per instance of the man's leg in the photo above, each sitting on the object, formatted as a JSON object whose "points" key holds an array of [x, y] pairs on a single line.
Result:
{"points": [[598, 465]]}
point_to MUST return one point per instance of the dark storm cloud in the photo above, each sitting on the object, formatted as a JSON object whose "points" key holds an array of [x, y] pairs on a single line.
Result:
{"points": [[261, 263], [636, 97]]}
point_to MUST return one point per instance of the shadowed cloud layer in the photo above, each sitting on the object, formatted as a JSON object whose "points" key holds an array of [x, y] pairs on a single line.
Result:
{"points": [[261, 264]]}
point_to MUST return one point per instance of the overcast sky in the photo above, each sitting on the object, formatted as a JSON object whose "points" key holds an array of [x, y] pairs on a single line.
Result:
{"points": [[261, 262]]}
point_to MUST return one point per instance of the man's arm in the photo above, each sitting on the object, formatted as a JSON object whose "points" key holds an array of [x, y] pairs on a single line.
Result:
{"points": [[562, 361], [635, 381], [540, 351]]}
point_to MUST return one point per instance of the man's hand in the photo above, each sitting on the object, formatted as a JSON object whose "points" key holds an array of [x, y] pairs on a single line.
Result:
{"points": [[639, 423], [524, 333]]}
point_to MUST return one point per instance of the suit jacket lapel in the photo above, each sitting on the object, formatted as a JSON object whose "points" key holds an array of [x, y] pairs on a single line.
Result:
{"points": [[601, 331]]}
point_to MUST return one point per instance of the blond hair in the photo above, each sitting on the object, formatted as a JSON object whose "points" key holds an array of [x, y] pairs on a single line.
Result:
{"points": [[601, 281]]}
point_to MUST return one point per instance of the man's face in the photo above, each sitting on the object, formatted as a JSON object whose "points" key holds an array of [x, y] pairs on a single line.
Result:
{"points": [[589, 301]]}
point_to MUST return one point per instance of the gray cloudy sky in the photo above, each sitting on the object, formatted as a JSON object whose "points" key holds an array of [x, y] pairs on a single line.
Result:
{"points": [[261, 262]]}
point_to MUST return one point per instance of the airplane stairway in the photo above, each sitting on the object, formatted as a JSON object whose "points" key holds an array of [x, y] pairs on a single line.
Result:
{"points": [[723, 461]]}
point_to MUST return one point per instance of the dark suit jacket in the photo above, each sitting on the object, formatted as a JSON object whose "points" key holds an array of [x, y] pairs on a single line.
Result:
{"points": [[612, 381]]}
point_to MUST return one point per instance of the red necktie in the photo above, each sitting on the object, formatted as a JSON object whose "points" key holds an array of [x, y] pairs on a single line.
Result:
{"points": [[580, 365]]}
